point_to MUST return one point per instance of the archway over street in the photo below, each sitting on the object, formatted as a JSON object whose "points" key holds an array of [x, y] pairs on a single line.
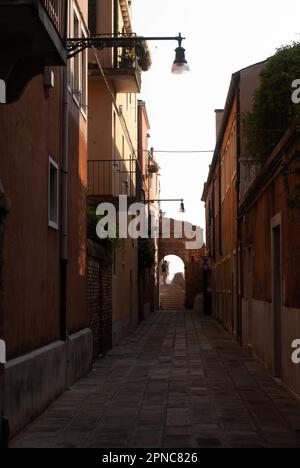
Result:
{"points": [[192, 259]]}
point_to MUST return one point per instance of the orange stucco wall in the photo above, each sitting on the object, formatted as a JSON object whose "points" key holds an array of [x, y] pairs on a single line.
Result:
{"points": [[29, 133]]}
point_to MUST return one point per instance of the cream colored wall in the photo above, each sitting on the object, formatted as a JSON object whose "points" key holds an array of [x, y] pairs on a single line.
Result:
{"points": [[83, 6], [101, 118], [105, 25], [290, 332], [125, 317], [100, 121], [262, 338]]}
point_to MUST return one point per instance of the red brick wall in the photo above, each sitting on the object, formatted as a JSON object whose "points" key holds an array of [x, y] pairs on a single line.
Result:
{"points": [[191, 260], [99, 286]]}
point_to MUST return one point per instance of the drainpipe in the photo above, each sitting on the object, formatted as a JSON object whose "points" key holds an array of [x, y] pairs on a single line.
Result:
{"points": [[64, 203], [239, 256], [116, 30], [4, 425]]}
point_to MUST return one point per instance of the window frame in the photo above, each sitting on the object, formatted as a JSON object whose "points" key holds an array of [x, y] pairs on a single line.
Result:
{"points": [[75, 65], [51, 223]]}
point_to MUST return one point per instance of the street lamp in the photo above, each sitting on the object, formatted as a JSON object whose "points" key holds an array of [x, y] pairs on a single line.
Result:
{"points": [[180, 65], [181, 208], [77, 45]]}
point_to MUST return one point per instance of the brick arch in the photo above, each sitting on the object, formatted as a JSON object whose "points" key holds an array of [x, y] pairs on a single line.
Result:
{"points": [[176, 254], [190, 258]]}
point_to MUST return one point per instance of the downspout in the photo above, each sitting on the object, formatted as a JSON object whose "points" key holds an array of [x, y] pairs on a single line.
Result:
{"points": [[239, 256], [116, 30], [64, 202]]}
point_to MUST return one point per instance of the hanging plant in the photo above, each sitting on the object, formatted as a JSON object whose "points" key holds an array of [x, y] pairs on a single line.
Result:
{"points": [[143, 56], [139, 55]]}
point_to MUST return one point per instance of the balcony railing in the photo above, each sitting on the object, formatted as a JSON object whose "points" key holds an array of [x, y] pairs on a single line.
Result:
{"points": [[124, 71], [111, 178], [32, 34], [55, 9]]}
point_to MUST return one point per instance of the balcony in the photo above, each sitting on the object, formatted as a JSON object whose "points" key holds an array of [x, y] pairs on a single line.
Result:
{"points": [[126, 76], [31, 38], [108, 179]]}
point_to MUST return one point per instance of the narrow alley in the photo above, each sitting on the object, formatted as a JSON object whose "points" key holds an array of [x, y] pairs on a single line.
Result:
{"points": [[179, 381]]}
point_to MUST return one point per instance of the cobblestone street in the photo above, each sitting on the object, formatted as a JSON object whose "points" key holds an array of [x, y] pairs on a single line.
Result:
{"points": [[179, 381]]}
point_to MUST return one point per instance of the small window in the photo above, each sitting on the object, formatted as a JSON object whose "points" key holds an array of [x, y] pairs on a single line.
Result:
{"points": [[53, 194]]}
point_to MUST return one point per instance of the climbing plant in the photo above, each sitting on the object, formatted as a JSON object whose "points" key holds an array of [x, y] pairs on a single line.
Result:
{"points": [[273, 110], [92, 219], [147, 253]]}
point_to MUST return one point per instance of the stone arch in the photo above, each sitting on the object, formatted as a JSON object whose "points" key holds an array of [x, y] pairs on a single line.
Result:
{"points": [[174, 253], [190, 258]]}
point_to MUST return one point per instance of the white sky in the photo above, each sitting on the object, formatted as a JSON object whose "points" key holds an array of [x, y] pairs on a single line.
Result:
{"points": [[176, 265], [222, 37]]}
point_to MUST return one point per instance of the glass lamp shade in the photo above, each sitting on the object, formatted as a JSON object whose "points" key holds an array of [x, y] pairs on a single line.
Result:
{"points": [[180, 64], [180, 69], [182, 207]]}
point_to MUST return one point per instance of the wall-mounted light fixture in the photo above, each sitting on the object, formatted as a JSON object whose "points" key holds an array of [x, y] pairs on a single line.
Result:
{"points": [[77, 45], [180, 64], [181, 208]]}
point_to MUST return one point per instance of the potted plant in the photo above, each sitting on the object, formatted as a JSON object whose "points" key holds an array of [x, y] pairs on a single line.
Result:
{"points": [[144, 56], [153, 168], [128, 58]]}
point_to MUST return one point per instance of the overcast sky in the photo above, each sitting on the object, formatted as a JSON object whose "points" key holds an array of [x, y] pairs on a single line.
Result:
{"points": [[222, 37]]}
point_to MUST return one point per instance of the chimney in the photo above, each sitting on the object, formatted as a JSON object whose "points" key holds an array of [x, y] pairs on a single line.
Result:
{"points": [[219, 117]]}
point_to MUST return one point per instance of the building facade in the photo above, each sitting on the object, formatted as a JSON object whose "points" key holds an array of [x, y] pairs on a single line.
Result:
{"points": [[113, 169], [252, 222], [43, 138], [270, 261], [150, 195], [228, 179]]}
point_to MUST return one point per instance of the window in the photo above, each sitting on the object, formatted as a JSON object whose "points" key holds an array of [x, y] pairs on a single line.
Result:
{"points": [[78, 66], [84, 77], [76, 78], [53, 194]]}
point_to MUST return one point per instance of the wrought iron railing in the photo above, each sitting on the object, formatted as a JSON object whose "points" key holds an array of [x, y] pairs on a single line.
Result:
{"points": [[55, 9], [111, 178]]}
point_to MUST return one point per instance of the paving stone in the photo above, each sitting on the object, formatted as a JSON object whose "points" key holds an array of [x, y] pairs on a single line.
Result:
{"points": [[179, 381]]}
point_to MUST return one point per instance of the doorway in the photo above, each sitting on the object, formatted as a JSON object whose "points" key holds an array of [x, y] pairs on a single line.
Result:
{"points": [[172, 283], [277, 298], [250, 294]]}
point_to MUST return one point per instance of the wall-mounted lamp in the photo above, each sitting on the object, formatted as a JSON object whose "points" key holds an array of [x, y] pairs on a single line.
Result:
{"points": [[180, 64], [77, 45], [181, 207]]}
